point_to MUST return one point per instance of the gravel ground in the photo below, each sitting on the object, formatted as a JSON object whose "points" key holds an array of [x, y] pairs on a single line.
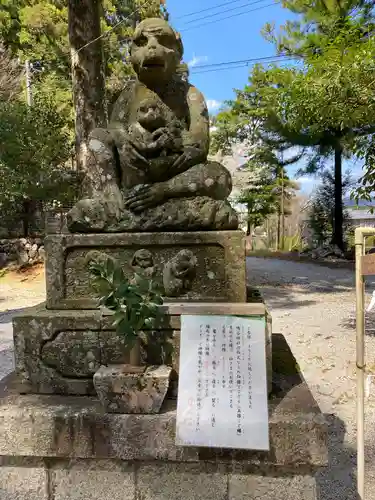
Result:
{"points": [[16, 292], [314, 308]]}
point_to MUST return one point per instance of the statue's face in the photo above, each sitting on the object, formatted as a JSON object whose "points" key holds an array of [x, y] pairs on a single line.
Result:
{"points": [[155, 51], [143, 259]]}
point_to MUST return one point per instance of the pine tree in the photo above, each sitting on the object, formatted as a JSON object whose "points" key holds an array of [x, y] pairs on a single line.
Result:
{"points": [[326, 106]]}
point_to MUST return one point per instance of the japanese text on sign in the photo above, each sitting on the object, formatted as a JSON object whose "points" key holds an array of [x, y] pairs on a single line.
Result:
{"points": [[222, 396]]}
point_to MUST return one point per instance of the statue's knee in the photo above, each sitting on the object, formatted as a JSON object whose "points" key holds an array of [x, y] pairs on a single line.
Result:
{"points": [[221, 179]]}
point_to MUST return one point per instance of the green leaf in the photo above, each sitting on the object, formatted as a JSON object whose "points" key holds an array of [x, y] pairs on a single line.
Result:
{"points": [[110, 268], [118, 276], [118, 318], [102, 285]]}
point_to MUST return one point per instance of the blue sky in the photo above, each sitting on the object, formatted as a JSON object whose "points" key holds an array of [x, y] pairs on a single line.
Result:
{"points": [[236, 38]]}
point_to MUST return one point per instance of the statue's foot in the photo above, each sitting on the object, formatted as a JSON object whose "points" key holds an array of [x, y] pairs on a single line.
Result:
{"points": [[145, 196], [182, 214], [92, 215]]}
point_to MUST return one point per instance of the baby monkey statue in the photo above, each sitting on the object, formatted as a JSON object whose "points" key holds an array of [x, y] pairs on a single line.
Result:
{"points": [[148, 171]]}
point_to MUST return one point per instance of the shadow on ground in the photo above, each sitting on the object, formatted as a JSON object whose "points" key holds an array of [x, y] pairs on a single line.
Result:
{"points": [[292, 297], [337, 481], [7, 316]]}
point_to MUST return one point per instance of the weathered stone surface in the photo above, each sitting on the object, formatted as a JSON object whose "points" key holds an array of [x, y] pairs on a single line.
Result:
{"points": [[197, 214], [23, 478], [89, 480], [181, 482], [219, 272], [78, 427], [58, 352], [123, 392], [253, 487], [148, 171], [23, 483]]}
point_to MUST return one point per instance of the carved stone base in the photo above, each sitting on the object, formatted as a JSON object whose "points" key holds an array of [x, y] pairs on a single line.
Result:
{"points": [[215, 263], [142, 391], [58, 352], [68, 448]]}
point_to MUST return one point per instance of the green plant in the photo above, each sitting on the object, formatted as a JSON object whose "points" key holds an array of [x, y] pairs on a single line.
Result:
{"points": [[135, 303]]}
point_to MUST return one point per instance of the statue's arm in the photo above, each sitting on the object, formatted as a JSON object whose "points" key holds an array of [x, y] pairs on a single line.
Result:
{"points": [[196, 139], [198, 133]]}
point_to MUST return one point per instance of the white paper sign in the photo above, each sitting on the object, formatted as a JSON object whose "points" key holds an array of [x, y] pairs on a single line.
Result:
{"points": [[222, 393]]}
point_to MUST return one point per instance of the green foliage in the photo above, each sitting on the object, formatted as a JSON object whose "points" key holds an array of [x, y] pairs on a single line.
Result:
{"points": [[322, 210], [263, 184], [37, 30], [265, 195], [292, 243], [135, 303], [324, 105], [35, 148]]}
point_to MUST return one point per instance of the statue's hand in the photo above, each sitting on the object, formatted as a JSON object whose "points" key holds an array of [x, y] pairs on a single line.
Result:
{"points": [[163, 138], [134, 157], [145, 196], [190, 156]]}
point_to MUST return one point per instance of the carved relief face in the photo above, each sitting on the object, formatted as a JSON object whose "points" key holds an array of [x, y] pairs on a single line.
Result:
{"points": [[150, 116], [184, 262], [156, 51], [143, 259]]}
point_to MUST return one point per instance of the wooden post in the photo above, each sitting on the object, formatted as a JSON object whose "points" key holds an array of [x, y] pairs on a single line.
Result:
{"points": [[360, 326], [364, 265]]}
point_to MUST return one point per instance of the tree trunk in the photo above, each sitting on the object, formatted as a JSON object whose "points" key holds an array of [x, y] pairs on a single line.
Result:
{"points": [[338, 236], [248, 228], [87, 72], [282, 209], [278, 230], [28, 212]]}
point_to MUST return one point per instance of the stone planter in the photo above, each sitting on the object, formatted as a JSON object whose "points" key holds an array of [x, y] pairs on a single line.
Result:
{"points": [[132, 389]]}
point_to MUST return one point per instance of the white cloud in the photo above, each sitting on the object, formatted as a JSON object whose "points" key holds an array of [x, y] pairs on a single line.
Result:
{"points": [[196, 60], [307, 183], [213, 105], [304, 179]]}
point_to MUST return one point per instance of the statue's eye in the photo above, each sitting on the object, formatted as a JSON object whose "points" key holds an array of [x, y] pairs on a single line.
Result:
{"points": [[166, 40], [141, 41]]}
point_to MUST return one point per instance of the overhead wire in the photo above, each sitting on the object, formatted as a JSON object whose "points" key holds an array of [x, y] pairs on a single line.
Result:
{"points": [[127, 18], [229, 17], [246, 4], [225, 4], [148, 2], [243, 65], [244, 61]]}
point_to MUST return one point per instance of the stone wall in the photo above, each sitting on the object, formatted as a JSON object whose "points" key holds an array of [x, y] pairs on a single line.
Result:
{"points": [[120, 480], [21, 251]]}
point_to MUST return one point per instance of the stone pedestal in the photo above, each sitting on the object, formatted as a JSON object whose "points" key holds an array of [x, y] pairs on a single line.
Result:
{"points": [[68, 448], [129, 389], [219, 273], [58, 352]]}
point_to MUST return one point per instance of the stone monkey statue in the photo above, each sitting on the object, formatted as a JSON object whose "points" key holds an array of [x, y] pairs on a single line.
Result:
{"points": [[149, 168]]}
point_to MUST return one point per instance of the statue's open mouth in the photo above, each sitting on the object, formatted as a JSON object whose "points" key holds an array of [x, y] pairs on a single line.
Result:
{"points": [[153, 64]]}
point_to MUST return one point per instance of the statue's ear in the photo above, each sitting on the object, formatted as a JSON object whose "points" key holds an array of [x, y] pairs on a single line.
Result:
{"points": [[183, 70], [180, 45]]}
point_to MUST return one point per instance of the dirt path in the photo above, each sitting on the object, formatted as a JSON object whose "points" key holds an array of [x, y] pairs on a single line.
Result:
{"points": [[17, 291]]}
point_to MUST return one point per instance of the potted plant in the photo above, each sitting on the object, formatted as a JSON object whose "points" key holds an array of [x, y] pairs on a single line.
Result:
{"points": [[135, 304]]}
